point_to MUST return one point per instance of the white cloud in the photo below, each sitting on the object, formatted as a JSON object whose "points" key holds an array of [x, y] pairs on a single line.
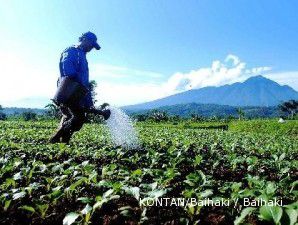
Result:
{"points": [[285, 78], [25, 84], [22, 79], [100, 71], [232, 70], [233, 58], [123, 86], [122, 94]]}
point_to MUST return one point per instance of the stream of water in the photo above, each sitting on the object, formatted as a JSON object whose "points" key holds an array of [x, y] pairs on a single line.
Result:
{"points": [[121, 129]]}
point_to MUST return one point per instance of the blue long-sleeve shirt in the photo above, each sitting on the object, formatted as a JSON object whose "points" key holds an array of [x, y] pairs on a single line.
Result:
{"points": [[73, 63]]}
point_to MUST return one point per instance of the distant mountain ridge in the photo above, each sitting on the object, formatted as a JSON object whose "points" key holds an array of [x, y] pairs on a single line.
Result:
{"points": [[16, 110], [255, 91], [208, 110]]}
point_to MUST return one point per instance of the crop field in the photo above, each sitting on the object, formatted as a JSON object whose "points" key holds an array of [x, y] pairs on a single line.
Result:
{"points": [[166, 181]]}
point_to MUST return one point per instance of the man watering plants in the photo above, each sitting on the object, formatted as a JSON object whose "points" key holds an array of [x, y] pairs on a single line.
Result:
{"points": [[73, 95]]}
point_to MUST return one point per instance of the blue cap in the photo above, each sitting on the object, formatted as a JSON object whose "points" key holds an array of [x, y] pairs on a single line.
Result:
{"points": [[92, 38]]}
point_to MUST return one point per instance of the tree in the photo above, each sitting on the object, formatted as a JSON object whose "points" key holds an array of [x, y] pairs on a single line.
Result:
{"points": [[140, 117], [196, 117], [175, 118], [230, 118], [2, 114], [92, 87], [93, 118], [158, 116], [29, 115], [240, 113], [53, 111], [289, 108]]}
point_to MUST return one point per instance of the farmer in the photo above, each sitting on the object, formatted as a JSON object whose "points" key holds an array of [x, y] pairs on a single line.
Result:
{"points": [[74, 73]]}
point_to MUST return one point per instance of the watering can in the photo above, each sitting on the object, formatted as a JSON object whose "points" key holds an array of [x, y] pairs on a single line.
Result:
{"points": [[69, 92]]}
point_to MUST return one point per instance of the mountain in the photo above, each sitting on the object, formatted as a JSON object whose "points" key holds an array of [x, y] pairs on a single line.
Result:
{"points": [[255, 91], [15, 110], [208, 110]]}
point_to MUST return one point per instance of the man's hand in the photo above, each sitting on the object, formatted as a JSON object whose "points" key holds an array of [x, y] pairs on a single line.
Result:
{"points": [[102, 112], [104, 105], [92, 109]]}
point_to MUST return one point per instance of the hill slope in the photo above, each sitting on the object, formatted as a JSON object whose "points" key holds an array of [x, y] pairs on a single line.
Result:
{"points": [[255, 91]]}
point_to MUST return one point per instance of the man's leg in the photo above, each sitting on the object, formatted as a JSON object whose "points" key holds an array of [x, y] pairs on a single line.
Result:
{"points": [[74, 124], [66, 115]]}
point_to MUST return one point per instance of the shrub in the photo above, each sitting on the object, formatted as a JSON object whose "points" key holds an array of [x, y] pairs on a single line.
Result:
{"points": [[3, 116], [29, 116]]}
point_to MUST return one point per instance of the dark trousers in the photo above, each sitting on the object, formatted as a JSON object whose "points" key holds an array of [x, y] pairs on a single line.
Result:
{"points": [[72, 120]]}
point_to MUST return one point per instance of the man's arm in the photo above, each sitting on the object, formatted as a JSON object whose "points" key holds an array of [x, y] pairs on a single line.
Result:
{"points": [[102, 111], [88, 100], [69, 63]]}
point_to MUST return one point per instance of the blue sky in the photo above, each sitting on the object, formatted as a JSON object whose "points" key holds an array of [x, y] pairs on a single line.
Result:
{"points": [[150, 49]]}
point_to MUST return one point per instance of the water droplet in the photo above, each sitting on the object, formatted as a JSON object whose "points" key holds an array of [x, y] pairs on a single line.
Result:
{"points": [[121, 129]]}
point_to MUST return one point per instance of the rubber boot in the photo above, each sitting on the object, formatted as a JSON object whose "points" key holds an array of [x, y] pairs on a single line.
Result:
{"points": [[66, 137], [56, 137]]}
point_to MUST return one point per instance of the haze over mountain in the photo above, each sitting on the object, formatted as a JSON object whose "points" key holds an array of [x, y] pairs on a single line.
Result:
{"points": [[255, 91]]}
